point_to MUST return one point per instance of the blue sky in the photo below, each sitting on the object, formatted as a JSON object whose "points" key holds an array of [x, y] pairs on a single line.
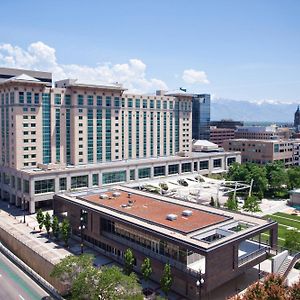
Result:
{"points": [[243, 50]]}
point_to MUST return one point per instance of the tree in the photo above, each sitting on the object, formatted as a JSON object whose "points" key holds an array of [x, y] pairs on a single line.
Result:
{"points": [[231, 203], [40, 219], [87, 282], [166, 280], [294, 177], [251, 204], [128, 261], [295, 291], [146, 269], [292, 240], [47, 222], [65, 230], [55, 226], [69, 268]]}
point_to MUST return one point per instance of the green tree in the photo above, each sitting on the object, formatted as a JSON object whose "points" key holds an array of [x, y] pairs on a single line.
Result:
{"points": [[166, 280], [251, 204], [294, 177], [128, 261], [47, 223], [65, 230], [146, 269], [40, 218], [260, 181], [69, 268], [231, 203], [55, 226], [292, 240]]}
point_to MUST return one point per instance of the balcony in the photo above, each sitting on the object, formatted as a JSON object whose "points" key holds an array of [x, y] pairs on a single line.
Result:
{"points": [[250, 250]]}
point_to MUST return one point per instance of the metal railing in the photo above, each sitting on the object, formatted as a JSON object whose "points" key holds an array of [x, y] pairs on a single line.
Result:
{"points": [[252, 256], [174, 263]]}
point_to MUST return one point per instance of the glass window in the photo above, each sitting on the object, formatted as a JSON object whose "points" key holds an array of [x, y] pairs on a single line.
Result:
{"points": [[137, 103], [113, 177], [173, 169], [21, 97], [132, 174], [117, 101], [217, 163], [204, 165], [44, 186], [171, 104], [80, 100], [95, 179], [144, 173], [230, 161], [36, 98], [68, 99], [129, 102], [26, 186], [108, 101], [144, 103], [99, 100], [79, 181], [158, 104], [63, 184], [186, 167], [29, 97], [165, 104], [159, 171], [90, 100], [151, 103], [57, 99]]}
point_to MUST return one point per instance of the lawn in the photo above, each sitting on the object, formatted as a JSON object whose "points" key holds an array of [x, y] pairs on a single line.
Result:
{"points": [[284, 221]]}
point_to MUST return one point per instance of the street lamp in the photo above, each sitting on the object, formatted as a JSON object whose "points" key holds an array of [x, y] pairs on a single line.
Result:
{"points": [[199, 284], [82, 227], [24, 210]]}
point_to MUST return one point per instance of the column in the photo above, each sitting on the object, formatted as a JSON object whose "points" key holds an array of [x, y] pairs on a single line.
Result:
{"points": [[31, 206]]}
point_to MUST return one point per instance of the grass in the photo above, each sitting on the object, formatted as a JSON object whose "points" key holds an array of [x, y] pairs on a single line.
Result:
{"points": [[284, 221]]}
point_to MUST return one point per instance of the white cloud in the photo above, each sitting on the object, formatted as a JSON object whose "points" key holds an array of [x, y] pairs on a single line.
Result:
{"points": [[192, 76], [39, 56]]}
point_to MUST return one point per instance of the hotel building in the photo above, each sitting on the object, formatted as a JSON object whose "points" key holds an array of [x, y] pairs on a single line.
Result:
{"points": [[193, 238], [75, 135]]}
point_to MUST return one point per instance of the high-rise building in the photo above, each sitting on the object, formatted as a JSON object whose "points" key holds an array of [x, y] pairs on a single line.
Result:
{"points": [[76, 135], [201, 117], [297, 119]]}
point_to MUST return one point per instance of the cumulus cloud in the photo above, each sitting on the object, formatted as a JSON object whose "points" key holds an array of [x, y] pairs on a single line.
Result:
{"points": [[39, 56], [192, 76]]}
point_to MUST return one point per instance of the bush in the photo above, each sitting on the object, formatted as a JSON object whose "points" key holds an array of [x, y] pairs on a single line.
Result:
{"points": [[164, 186]]}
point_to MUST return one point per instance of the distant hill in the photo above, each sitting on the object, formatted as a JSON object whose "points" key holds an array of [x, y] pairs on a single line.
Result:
{"points": [[251, 111]]}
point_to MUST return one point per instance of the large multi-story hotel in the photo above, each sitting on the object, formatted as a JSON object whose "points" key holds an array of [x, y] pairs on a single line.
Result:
{"points": [[78, 135]]}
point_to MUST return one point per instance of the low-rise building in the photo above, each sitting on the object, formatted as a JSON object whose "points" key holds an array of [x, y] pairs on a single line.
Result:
{"points": [[196, 240], [219, 135], [263, 151]]}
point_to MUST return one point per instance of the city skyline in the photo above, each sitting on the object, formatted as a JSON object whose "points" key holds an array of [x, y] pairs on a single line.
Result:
{"points": [[240, 55]]}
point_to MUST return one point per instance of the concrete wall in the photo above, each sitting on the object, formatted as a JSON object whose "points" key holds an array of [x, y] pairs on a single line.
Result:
{"points": [[38, 263]]}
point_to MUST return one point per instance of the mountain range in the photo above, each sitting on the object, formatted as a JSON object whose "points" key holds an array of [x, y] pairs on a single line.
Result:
{"points": [[267, 111]]}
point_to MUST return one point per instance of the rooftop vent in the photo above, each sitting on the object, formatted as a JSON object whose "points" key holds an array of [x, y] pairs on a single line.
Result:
{"points": [[129, 195], [116, 194], [187, 213], [171, 217], [103, 196]]}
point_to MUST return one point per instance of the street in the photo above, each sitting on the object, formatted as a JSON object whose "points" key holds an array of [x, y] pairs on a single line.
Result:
{"points": [[15, 284]]}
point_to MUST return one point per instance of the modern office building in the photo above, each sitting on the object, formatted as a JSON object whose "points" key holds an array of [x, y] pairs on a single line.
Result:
{"points": [[297, 119], [196, 240], [7, 73], [201, 117], [226, 124], [219, 135], [263, 151], [78, 135]]}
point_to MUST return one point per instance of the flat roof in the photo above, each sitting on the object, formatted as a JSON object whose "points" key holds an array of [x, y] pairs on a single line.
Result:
{"points": [[155, 211]]}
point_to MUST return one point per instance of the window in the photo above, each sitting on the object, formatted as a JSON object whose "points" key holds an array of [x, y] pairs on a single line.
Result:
{"points": [[132, 174], [44, 186], [95, 179], [144, 173], [79, 181], [144, 103], [158, 104], [26, 186], [129, 102], [186, 167], [29, 97], [165, 104], [204, 165], [36, 98], [99, 101], [217, 163], [195, 166], [90, 100], [57, 99], [108, 101], [63, 184], [151, 103], [117, 101], [230, 160], [68, 100], [21, 97], [113, 177], [137, 103], [173, 169], [80, 100], [159, 171], [32, 109]]}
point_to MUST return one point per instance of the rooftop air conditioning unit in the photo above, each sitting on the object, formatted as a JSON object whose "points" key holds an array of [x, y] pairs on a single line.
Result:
{"points": [[116, 194], [187, 213], [171, 217], [103, 196]]}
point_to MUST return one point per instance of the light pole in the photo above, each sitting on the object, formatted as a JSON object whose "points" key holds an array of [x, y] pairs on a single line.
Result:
{"points": [[24, 210], [199, 284], [82, 227]]}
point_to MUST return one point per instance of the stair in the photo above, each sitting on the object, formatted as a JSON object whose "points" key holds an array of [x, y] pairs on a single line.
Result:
{"points": [[285, 266]]}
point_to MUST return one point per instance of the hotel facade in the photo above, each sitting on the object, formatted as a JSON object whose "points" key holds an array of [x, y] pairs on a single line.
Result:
{"points": [[75, 136]]}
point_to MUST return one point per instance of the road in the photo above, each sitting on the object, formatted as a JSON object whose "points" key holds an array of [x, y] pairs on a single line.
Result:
{"points": [[15, 284]]}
